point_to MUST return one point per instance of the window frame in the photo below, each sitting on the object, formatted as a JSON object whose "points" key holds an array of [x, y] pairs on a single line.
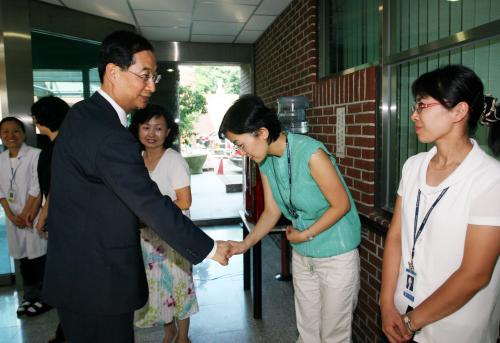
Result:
{"points": [[388, 144]]}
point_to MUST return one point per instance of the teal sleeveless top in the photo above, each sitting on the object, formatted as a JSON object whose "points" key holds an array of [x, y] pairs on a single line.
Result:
{"points": [[310, 203]]}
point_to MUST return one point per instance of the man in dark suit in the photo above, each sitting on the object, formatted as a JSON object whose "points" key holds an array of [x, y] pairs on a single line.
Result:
{"points": [[100, 187]]}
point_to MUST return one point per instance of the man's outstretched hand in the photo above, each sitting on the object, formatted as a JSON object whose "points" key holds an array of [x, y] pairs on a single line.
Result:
{"points": [[222, 252]]}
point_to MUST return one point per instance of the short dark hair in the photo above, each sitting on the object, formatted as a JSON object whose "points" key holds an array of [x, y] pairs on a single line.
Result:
{"points": [[155, 111], [15, 120], [247, 115], [119, 48], [453, 84], [50, 112]]}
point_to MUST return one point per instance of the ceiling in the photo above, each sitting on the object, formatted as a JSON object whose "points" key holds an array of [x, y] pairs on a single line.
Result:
{"points": [[213, 21]]}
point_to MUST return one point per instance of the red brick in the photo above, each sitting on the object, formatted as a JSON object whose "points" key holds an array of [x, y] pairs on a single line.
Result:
{"points": [[368, 154], [368, 130], [368, 106], [367, 142], [368, 175], [354, 108], [363, 164], [353, 130], [364, 187], [368, 198], [371, 84], [367, 118]]}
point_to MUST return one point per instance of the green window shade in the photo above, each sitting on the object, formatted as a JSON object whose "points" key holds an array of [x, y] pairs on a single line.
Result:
{"points": [[350, 34], [482, 58], [418, 22]]}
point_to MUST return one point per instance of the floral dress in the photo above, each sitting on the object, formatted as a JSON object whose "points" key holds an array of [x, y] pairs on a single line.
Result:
{"points": [[169, 275]]}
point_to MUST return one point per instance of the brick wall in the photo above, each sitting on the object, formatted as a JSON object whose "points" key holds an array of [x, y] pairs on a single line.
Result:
{"points": [[286, 64]]}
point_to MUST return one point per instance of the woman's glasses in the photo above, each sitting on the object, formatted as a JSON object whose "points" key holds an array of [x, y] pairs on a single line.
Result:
{"points": [[420, 106]]}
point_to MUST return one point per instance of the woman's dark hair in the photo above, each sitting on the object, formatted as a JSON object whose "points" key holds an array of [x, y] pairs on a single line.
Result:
{"points": [[453, 84], [155, 111], [50, 112], [14, 120], [119, 48], [247, 115]]}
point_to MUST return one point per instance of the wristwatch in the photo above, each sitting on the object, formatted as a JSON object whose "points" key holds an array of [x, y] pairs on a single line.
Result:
{"points": [[407, 321]]}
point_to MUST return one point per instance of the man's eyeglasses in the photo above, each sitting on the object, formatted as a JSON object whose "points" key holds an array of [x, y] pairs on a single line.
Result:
{"points": [[155, 78], [420, 106]]}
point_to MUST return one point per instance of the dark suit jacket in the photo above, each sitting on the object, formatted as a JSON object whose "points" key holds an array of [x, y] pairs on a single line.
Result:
{"points": [[99, 189]]}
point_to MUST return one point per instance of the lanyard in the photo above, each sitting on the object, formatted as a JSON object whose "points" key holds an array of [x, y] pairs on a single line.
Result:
{"points": [[13, 173], [290, 208], [416, 233]]}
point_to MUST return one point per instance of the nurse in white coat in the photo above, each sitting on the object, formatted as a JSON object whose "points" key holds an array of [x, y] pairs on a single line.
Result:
{"points": [[19, 191], [445, 230]]}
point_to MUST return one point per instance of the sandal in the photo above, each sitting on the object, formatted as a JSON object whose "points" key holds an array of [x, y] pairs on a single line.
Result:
{"points": [[23, 307], [37, 308]]}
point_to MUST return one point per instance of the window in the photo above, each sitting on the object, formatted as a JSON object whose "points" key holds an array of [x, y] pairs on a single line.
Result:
{"points": [[66, 84], [348, 34], [428, 34]]}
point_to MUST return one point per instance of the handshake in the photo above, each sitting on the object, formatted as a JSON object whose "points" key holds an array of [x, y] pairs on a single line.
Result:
{"points": [[226, 249]]}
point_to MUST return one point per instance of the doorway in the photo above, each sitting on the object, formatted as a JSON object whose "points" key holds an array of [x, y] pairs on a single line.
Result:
{"points": [[205, 93]]}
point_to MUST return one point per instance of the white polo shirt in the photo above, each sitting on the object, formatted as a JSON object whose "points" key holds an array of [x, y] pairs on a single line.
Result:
{"points": [[473, 197]]}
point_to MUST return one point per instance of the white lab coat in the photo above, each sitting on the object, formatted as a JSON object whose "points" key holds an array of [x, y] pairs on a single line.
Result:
{"points": [[23, 242]]}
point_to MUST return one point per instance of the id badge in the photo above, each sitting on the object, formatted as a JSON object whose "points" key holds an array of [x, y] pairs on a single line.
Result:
{"points": [[410, 278], [11, 196]]}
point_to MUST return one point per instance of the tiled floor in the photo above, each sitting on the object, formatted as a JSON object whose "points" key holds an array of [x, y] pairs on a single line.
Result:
{"points": [[225, 309]]}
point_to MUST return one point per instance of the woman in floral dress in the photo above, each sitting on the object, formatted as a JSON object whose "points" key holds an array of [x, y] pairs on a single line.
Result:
{"points": [[172, 299]]}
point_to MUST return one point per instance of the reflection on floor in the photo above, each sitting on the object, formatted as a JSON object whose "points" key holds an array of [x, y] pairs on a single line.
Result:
{"points": [[5, 267], [225, 309]]}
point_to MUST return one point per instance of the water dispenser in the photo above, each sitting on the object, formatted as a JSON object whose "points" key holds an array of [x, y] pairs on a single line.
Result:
{"points": [[292, 113]]}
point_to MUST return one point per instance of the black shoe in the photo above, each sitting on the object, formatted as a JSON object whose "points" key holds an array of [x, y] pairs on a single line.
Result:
{"points": [[23, 307], [37, 308]]}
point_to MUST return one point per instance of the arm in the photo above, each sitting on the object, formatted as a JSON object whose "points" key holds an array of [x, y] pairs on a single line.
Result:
{"points": [[122, 170], [266, 222], [330, 184], [30, 209], [184, 199], [10, 215], [42, 220], [482, 247], [392, 324], [34, 199]]}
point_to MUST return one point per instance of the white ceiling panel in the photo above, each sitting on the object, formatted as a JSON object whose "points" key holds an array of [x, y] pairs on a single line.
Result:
{"points": [[239, 2], [111, 9], [176, 20], [53, 2], [216, 28], [222, 12], [272, 7], [212, 38], [257, 22], [163, 18], [166, 34], [163, 5], [248, 36]]}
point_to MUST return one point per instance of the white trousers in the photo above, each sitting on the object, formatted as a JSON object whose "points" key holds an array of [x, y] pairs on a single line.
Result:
{"points": [[326, 294]]}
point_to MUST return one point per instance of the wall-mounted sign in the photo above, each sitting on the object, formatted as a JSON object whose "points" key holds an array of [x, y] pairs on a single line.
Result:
{"points": [[340, 132]]}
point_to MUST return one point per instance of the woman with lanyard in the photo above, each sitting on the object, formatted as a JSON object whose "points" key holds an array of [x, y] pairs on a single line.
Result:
{"points": [[301, 181], [445, 230], [19, 192]]}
